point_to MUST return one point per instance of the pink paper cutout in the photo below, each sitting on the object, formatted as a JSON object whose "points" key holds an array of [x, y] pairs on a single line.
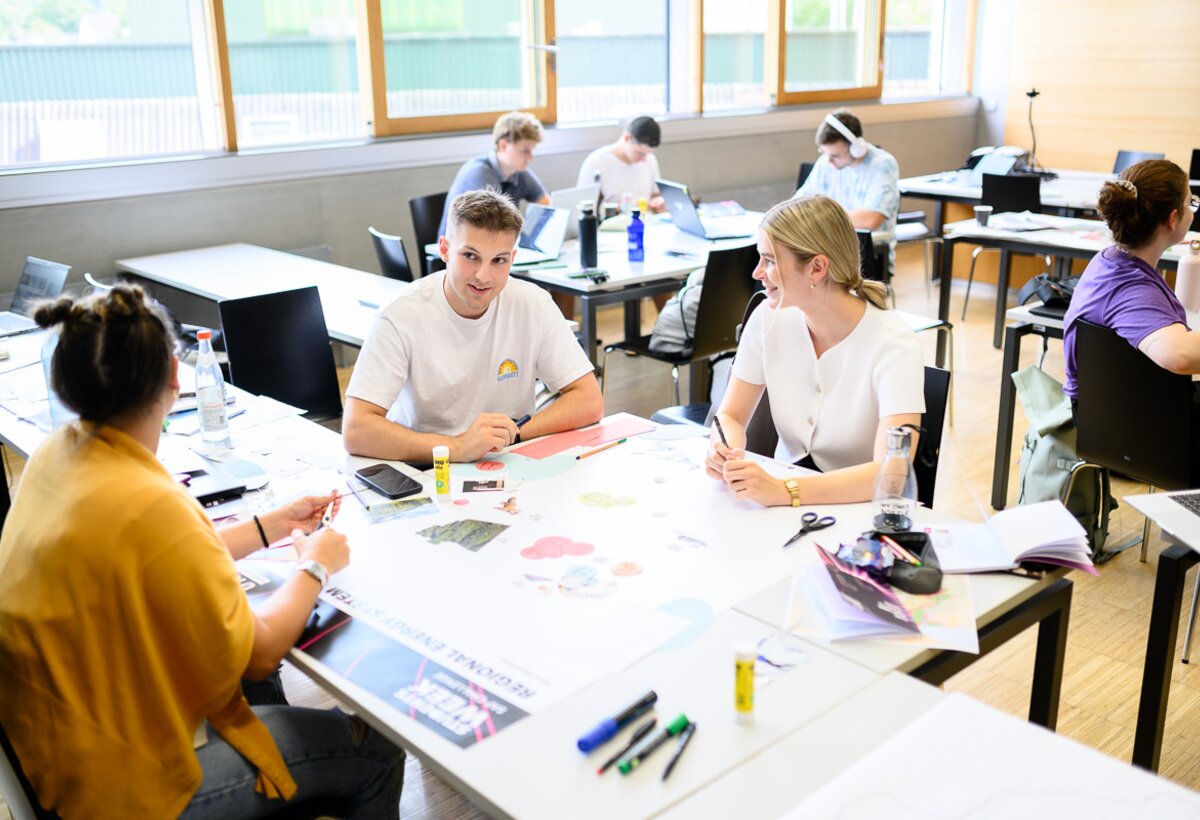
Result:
{"points": [[591, 437]]}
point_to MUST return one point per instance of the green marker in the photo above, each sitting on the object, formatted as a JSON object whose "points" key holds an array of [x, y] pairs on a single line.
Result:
{"points": [[634, 759]]}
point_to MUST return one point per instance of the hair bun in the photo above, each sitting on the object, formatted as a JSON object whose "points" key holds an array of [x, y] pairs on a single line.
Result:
{"points": [[49, 314], [125, 302]]}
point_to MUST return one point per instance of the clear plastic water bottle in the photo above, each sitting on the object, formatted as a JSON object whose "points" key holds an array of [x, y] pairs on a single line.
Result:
{"points": [[210, 396], [637, 236], [895, 494], [59, 414]]}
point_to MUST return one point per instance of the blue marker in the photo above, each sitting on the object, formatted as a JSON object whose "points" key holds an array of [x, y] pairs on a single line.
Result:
{"points": [[607, 729]]}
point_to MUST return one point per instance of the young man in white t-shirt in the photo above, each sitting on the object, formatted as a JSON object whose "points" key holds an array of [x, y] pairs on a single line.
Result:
{"points": [[455, 358], [628, 166]]}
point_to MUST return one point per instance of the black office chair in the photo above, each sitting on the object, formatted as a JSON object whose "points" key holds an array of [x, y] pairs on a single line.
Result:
{"points": [[426, 214], [873, 262], [727, 286], [1006, 193], [278, 346], [1194, 170], [805, 169], [393, 261], [1126, 158], [1132, 417]]}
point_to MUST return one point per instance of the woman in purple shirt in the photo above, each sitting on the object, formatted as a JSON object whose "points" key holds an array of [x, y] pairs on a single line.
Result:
{"points": [[1148, 208]]}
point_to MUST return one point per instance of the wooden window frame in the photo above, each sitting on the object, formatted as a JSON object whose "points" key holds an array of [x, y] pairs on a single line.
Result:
{"points": [[775, 69], [372, 73]]}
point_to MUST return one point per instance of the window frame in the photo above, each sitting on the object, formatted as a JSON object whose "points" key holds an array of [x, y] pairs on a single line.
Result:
{"points": [[775, 59], [372, 78]]}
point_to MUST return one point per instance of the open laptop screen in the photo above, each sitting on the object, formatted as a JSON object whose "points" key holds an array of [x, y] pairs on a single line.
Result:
{"points": [[40, 279]]}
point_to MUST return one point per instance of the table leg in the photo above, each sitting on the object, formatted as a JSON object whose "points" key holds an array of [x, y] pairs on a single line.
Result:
{"points": [[633, 318], [1002, 278], [1048, 662], [946, 266], [1004, 421], [5, 499], [1173, 565], [939, 216], [587, 328]]}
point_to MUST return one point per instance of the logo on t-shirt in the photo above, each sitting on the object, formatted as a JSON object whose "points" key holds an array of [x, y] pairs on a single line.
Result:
{"points": [[508, 370]]}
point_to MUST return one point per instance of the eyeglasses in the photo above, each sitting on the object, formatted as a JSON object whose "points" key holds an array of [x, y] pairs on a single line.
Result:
{"points": [[1194, 203]]}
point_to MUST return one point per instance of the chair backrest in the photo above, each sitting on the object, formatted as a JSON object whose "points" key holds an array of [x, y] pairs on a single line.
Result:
{"points": [[1012, 192], [426, 212], [805, 170], [15, 786], [873, 264], [1126, 158], [929, 445], [278, 346], [1132, 415], [728, 284], [393, 261]]}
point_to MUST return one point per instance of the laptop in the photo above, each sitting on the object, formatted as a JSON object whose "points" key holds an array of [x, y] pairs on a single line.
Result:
{"points": [[684, 215], [994, 163], [1176, 512], [40, 279], [542, 235], [569, 198]]}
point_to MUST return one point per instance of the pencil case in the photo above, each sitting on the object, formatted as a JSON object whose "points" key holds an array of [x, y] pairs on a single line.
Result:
{"points": [[922, 580]]}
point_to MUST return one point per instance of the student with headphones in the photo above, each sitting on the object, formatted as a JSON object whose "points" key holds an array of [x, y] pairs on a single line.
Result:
{"points": [[863, 178]]}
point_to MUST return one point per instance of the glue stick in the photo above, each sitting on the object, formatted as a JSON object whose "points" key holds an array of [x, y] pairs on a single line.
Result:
{"points": [[441, 472], [743, 681]]}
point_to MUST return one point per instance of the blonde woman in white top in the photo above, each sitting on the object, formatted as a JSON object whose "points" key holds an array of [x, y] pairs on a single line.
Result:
{"points": [[840, 367]]}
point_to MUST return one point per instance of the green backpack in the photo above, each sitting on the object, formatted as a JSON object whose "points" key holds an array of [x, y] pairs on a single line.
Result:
{"points": [[1049, 460]]}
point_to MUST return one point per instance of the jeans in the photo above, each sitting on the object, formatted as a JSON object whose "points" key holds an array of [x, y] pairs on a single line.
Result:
{"points": [[341, 767]]}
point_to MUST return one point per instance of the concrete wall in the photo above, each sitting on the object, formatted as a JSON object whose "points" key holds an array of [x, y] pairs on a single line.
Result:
{"points": [[758, 169]]}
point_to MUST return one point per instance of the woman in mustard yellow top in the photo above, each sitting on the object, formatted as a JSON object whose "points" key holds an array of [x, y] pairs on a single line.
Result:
{"points": [[124, 633]]}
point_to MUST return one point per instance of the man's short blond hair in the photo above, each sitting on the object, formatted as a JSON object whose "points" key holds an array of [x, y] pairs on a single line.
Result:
{"points": [[516, 126], [487, 209]]}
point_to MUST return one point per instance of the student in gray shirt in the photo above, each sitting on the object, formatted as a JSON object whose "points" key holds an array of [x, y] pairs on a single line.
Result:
{"points": [[506, 168]]}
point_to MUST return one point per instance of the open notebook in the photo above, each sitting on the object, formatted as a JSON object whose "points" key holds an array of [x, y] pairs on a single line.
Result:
{"points": [[1044, 532]]}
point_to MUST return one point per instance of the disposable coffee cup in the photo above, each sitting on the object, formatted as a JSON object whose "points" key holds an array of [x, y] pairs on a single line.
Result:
{"points": [[982, 212]]}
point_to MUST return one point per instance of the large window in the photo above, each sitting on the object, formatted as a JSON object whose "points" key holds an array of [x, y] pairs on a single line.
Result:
{"points": [[734, 35], [86, 80], [292, 71], [612, 58], [449, 64], [101, 79], [924, 47], [829, 50]]}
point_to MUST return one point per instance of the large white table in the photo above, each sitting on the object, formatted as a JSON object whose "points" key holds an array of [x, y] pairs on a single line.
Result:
{"points": [[1070, 191], [349, 297], [1062, 237], [531, 769]]}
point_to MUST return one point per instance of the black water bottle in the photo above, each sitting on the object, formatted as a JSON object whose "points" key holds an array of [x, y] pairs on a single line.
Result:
{"points": [[587, 234]]}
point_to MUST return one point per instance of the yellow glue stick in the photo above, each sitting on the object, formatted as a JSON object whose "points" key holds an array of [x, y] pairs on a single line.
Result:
{"points": [[743, 681], [441, 472]]}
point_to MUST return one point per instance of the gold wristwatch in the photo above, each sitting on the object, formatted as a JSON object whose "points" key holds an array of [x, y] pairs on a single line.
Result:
{"points": [[793, 488]]}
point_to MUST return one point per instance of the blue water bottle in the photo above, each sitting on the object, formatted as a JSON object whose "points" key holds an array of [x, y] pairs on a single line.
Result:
{"points": [[637, 237]]}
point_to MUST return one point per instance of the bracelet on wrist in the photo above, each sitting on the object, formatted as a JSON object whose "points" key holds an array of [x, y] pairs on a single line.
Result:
{"points": [[261, 532]]}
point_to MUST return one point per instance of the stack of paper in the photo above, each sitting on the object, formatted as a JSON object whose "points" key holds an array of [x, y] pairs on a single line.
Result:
{"points": [[1044, 532]]}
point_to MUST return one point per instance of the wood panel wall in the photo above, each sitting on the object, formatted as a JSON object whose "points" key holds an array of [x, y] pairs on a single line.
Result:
{"points": [[1113, 75]]}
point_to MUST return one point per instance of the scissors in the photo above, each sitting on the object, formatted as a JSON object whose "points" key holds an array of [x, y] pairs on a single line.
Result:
{"points": [[811, 522]]}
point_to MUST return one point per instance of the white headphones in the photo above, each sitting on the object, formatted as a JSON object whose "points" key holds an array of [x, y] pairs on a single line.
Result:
{"points": [[858, 145]]}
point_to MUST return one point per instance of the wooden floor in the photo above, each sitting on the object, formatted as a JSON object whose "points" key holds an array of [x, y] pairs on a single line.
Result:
{"points": [[1109, 615]]}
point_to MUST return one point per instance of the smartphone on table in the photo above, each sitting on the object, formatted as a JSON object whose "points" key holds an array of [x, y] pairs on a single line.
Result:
{"points": [[386, 479]]}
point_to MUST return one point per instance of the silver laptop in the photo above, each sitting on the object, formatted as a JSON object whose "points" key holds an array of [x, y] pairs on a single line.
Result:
{"points": [[40, 279], [542, 235], [569, 198], [1176, 512], [994, 163], [684, 215]]}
